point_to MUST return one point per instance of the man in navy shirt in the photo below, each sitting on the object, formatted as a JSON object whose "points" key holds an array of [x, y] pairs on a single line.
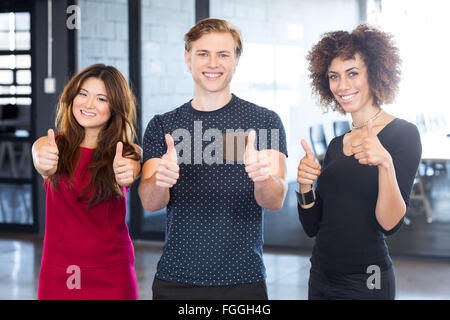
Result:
{"points": [[214, 187]]}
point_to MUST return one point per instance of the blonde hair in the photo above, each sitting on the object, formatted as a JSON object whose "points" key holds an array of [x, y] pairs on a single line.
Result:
{"points": [[210, 25]]}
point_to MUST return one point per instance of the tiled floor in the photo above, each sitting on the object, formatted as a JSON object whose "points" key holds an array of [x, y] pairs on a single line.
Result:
{"points": [[287, 274]]}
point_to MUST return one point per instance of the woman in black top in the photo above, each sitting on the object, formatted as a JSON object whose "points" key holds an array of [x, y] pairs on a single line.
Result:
{"points": [[364, 185]]}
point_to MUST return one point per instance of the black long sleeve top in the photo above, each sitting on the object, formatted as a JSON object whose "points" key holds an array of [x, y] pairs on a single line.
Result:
{"points": [[348, 235]]}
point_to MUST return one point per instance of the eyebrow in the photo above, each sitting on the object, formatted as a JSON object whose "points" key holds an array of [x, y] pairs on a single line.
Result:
{"points": [[222, 51], [330, 71], [99, 94]]}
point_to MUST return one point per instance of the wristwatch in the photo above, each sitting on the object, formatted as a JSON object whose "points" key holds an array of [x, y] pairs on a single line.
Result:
{"points": [[306, 198]]}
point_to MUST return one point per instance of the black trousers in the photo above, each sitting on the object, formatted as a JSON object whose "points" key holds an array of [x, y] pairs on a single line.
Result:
{"points": [[164, 290], [351, 286]]}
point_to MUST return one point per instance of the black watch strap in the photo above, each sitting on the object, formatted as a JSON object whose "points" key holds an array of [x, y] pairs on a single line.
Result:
{"points": [[306, 198]]}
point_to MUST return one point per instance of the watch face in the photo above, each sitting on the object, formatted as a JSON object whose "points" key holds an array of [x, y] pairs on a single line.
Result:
{"points": [[234, 144]]}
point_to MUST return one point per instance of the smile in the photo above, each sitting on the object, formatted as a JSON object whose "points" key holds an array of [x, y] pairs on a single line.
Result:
{"points": [[347, 98], [212, 76], [88, 114]]}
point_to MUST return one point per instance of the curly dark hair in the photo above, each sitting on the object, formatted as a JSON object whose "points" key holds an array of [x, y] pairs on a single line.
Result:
{"points": [[377, 50]]}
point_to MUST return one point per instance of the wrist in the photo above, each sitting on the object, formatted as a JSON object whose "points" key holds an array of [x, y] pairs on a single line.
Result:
{"points": [[48, 172], [304, 188], [386, 163], [307, 198]]}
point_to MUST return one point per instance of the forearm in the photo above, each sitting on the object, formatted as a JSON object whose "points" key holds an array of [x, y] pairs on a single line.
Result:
{"points": [[153, 197], [270, 194], [310, 215], [390, 206], [136, 169], [137, 165], [305, 189]]}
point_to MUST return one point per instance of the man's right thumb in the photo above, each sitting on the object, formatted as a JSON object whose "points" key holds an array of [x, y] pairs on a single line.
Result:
{"points": [[169, 142]]}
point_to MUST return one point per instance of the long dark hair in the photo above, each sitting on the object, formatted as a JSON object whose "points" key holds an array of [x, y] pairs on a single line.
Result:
{"points": [[120, 127]]}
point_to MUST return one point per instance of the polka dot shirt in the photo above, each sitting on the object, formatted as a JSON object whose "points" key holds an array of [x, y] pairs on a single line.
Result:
{"points": [[214, 231]]}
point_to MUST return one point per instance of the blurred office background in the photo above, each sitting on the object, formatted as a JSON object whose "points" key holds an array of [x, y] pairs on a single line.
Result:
{"points": [[44, 42]]}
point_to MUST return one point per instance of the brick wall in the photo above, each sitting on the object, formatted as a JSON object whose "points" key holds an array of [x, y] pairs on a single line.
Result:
{"points": [[103, 36]]}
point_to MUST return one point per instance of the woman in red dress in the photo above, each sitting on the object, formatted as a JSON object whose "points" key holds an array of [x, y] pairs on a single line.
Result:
{"points": [[88, 166]]}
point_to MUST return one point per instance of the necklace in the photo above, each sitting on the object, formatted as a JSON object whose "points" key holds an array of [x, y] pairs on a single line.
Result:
{"points": [[365, 123]]}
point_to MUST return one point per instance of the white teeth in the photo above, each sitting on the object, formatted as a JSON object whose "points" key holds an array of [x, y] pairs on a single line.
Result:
{"points": [[347, 97], [87, 113], [212, 75]]}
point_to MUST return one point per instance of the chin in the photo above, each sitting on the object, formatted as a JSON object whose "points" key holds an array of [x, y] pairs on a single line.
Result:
{"points": [[349, 109]]}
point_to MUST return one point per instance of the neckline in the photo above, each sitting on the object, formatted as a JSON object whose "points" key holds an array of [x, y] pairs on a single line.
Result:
{"points": [[222, 109], [86, 148], [387, 125]]}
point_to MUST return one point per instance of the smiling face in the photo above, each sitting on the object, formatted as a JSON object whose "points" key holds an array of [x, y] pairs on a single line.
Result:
{"points": [[212, 61], [90, 105], [348, 80]]}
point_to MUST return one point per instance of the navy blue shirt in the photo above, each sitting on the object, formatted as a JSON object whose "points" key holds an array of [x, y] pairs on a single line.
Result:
{"points": [[214, 231]]}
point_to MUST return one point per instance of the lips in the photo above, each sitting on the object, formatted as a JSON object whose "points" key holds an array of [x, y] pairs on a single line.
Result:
{"points": [[212, 76], [87, 114], [348, 97]]}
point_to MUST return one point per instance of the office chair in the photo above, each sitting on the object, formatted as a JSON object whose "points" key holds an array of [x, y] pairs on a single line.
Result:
{"points": [[340, 127], [419, 194], [318, 141]]}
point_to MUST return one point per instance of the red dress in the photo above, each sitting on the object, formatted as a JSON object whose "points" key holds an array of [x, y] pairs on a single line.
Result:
{"points": [[88, 253]]}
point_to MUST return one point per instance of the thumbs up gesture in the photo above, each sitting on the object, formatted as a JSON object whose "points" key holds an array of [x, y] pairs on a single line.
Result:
{"points": [[46, 155], [369, 150], [308, 169], [167, 172], [123, 167], [257, 164]]}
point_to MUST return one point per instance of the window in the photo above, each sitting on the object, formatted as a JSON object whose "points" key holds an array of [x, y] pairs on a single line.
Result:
{"points": [[15, 119], [166, 81]]}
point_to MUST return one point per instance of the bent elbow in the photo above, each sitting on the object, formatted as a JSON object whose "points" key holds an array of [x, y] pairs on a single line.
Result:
{"points": [[311, 233]]}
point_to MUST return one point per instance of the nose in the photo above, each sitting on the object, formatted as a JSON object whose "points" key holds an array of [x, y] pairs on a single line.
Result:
{"points": [[344, 84], [212, 61], [90, 102]]}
